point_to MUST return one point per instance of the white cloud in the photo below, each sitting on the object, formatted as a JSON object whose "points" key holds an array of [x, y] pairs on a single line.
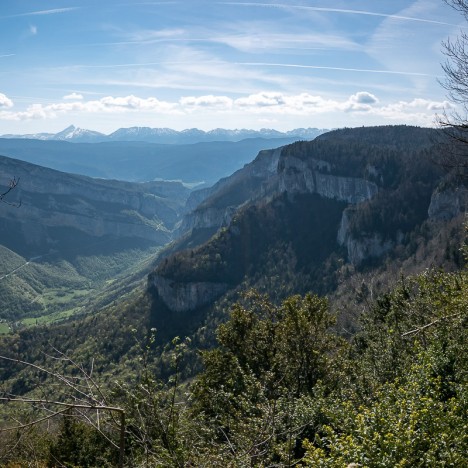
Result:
{"points": [[419, 110], [209, 101], [261, 100], [5, 102], [107, 104], [32, 30], [360, 102], [73, 97], [265, 105]]}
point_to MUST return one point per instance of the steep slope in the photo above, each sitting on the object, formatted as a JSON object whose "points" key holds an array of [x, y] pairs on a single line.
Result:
{"points": [[53, 201], [72, 233], [355, 197]]}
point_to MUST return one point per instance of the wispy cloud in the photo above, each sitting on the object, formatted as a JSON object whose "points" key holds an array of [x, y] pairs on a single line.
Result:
{"points": [[7, 55], [53, 11], [261, 40], [393, 46], [336, 10], [73, 97]]}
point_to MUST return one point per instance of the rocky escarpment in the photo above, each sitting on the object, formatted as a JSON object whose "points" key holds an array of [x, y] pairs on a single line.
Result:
{"points": [[54, 202], [447, 203], [186, 296], [213, 207], [370, 245], [271, 173], [313, 176], [367, 190]]}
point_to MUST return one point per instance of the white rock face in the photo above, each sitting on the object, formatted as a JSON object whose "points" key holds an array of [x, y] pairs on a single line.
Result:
{"points": [[299, 176], [185, 297], [366, 246], [448, 204], [215, 215]]}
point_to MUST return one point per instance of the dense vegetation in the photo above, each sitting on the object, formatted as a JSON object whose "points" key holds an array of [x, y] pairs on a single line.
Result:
{"points": [[286, 378], [61, 284], [282, 388], [286, 237]]}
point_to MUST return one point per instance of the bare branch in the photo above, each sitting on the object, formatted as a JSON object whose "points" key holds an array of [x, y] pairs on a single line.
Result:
{"points": [[33, 423], [13, 183], [428, 325]]}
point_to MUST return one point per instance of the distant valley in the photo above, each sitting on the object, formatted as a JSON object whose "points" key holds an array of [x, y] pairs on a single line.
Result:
{"points": [[74, 234], [196, 163]]}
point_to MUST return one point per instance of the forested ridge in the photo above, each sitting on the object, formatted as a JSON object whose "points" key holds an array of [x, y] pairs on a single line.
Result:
{"points": [[325, 363], [281, 387]]}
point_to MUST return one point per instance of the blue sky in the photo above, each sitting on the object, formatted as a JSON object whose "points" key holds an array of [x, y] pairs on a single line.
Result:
{"points": [[108, 64]]}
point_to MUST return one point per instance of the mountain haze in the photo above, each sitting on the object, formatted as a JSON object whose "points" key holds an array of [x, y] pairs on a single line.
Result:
{"points": [[139, 161], [168, 135]]}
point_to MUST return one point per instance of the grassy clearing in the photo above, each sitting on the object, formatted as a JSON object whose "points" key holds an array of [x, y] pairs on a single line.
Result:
{"points": [[51, 318], [44, 292]]}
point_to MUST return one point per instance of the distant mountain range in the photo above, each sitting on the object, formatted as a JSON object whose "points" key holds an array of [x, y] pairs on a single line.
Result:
{"points": [[141, 161], [168, 136]]}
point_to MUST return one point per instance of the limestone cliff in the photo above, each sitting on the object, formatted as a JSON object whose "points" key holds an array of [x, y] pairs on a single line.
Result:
{"points": [[297, 175], [367, 245], [213, 207], [185, 297], [53, 201], [447, 203], [270, 174]]}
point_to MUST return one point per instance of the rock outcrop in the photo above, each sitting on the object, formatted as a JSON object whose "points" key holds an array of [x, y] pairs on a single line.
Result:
{"points": [[448, 203], [184, 297], [311, 176], [364, 247], [54, 201], [217, 204]]}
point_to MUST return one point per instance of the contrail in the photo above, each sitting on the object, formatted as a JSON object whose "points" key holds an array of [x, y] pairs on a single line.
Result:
{"points": [[54, 11], [337, 10], [318, 67]]}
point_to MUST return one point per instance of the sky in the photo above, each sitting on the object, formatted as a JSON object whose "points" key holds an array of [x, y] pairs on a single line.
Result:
{"points": [[103, 65]]}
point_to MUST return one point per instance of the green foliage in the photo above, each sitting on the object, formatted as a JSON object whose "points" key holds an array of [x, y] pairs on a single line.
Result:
{"points": [[81, 445], [410, 423], [403, 402], [256, 388], [281, 388]]}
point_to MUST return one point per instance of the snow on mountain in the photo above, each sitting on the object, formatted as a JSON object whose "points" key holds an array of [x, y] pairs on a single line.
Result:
{"points": [[169, 136], [75, 134]]}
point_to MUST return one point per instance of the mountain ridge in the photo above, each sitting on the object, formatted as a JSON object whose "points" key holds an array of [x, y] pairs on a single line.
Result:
{"points": [[381, 190], [166, 135]]}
